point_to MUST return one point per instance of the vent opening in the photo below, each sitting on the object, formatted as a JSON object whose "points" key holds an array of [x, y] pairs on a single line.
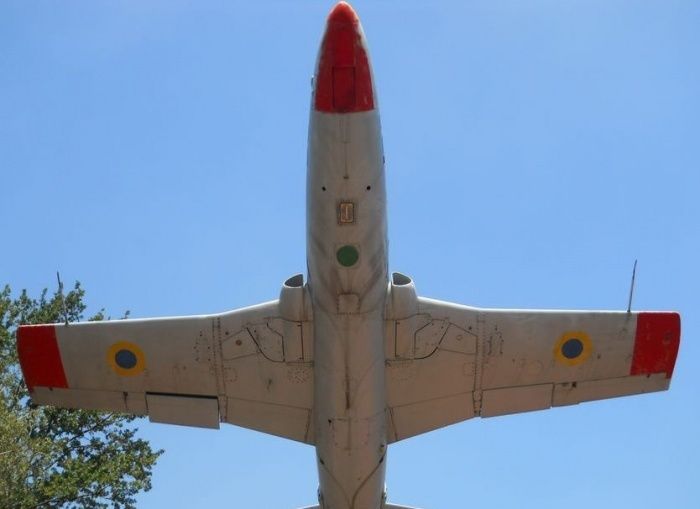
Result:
{"points": [[296, 281], [400, 279]]}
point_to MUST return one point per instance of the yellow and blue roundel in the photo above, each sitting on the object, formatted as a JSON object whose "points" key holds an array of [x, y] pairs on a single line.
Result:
{"points": [[126, 358], [573, 348]]}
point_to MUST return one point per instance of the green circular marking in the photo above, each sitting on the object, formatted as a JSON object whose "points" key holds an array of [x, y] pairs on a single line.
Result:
{"points": [[347, 256]]}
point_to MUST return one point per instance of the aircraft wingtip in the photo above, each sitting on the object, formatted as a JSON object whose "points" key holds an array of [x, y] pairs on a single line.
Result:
{"points": [[39, 356], [656, 343]]}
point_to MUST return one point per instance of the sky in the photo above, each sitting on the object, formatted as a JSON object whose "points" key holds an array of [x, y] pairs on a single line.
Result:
{"points": [[155, 152]]}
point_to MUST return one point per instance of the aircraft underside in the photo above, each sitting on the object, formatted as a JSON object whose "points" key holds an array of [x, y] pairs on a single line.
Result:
{"points": [[353, 359]]}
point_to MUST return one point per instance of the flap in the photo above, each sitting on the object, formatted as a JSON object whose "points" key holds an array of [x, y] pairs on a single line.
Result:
{"points": [[202, 411]]}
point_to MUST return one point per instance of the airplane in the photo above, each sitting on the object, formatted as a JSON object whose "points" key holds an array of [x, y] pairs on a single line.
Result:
{"points": [[352, 359]]}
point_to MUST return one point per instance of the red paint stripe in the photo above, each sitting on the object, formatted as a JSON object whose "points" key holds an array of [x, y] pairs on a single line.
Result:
{"points": [[656, 343], [39, 356], [343, 79]]}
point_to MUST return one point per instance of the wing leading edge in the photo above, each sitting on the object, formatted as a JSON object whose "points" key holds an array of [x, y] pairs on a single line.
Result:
{"points": [[448, 363], [249, 367]]}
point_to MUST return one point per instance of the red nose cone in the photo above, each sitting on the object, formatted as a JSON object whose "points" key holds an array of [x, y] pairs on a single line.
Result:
{"points": [[343, 13], [343, 79]]}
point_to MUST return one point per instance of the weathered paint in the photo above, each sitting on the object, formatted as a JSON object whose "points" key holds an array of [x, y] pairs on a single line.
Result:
{"points": [[39, 356], [347, 270], [343, 77], [656, 343]]}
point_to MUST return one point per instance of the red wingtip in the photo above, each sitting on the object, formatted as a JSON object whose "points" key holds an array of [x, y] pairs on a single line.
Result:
{"points": [[39, 356], [656, 343], [343, 77]]}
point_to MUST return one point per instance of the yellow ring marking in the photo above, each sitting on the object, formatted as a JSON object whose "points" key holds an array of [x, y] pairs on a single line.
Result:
{"points": [[584, 338], [133, 348]]}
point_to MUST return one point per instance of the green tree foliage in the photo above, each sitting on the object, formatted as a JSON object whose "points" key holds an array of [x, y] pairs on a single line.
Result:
{"points": [[59, 458]]}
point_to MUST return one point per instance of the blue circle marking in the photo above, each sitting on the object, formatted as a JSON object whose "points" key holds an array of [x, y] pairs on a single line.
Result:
{"points": [[572, 348], [125, 359]]}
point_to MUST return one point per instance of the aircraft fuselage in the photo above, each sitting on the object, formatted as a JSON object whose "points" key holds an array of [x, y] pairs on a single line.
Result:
{"points": [[347, 265]]}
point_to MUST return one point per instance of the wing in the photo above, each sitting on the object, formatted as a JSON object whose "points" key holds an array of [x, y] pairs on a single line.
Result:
{"points": [[249, 367], [448, 363]]}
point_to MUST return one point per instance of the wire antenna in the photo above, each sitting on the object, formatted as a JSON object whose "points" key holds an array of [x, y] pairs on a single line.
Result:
{"points": [[634, 274], [63, 299]]}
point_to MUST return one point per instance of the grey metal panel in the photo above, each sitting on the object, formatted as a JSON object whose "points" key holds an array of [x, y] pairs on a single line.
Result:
{"points": [[284, 421], [247, 354], [513, 400], [257, 379], [426, 394], [510, 360], [293, 341], [202, 412], [459, 340], [421, 417], [430, 370], [406, 331], [464, 317], [442, 374], [113, 401], [266, 379], [172, 353], [572, 393], [240, 344], [428, 337], [520, 346]]}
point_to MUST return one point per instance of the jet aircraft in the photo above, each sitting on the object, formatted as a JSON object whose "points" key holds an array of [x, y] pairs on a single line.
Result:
{"points": [[352, 359]]}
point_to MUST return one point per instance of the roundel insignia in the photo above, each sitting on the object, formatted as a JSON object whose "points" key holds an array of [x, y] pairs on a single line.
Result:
{"points": [[126, 358], [573, 348]]}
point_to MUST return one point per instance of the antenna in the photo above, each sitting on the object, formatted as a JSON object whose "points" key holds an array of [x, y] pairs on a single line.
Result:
{"points": [[634, 273], [63, 300]]}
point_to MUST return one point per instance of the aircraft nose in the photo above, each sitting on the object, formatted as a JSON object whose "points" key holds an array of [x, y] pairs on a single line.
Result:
{"points": [[343, 76], [343, 12]]}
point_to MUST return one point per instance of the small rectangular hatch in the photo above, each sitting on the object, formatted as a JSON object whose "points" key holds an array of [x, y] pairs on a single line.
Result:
{"points": [[346, 212]]}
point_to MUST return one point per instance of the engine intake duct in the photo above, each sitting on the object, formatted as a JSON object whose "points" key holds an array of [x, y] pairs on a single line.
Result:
{"points": [[403, 301]]}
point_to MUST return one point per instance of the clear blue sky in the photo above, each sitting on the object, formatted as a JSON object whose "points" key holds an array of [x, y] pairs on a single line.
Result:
{"points": [[156, 151]]}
